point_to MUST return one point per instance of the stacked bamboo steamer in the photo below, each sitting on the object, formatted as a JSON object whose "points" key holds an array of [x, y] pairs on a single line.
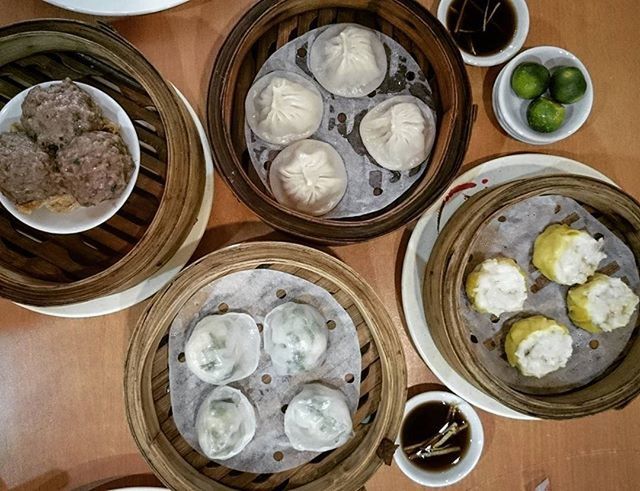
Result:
{"points": [[449, 265], [44, 269]]}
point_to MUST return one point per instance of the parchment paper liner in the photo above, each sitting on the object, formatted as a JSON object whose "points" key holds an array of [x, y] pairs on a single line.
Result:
{"points": [[257, 292], [512, 234]]}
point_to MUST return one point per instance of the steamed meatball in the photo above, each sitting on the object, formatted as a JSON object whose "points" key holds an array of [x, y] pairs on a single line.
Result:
{"points": [[27, 172], [54, 115], [95, 166]]}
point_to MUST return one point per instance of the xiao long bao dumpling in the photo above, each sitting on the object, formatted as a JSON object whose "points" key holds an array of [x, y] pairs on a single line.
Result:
{"points": [[308, 176], [223, 348], [399, 132], [225, 423], [283, 107], [295, 337], [318, 419], [348, 60]]}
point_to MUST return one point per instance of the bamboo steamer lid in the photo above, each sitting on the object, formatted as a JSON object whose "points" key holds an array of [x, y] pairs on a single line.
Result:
{"points": [[382, 386], [43, 269], [446, 272]]}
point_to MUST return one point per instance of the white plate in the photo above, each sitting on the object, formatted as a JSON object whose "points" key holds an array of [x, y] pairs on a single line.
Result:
{"points": [[142, 291], [116, 8], [425, 233], [83, 217]]}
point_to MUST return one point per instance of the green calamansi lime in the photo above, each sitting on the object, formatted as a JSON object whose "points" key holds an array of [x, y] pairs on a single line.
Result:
{"points": [[529, 80], [545, 115], [567, 85]]}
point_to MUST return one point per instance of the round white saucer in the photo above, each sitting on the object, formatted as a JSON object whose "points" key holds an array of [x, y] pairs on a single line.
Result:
{"points": [[116, 8], [423, 238], [127, 298]]}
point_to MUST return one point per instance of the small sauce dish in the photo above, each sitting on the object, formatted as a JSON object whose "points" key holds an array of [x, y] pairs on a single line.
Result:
{"points": [[511, 111], [449, 438], [80, 218], [516, 20]]}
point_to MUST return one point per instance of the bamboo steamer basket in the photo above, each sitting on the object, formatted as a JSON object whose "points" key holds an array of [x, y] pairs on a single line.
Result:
{"points": [[272, 23], [37, 268], [382, 387], [449, 264]]}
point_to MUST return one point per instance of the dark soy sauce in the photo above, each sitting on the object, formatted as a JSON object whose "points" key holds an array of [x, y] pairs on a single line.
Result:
{"points": [[481, 27], [425, 421]]}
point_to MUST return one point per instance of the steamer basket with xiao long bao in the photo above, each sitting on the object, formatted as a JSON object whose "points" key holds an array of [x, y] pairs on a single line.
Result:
{"points": [[531, 294], [338, 121]]}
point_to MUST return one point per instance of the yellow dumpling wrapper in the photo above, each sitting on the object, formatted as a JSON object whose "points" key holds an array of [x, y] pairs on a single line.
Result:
{"points": [[538, 345], [565, 255], [601, 304], [496, 286]]}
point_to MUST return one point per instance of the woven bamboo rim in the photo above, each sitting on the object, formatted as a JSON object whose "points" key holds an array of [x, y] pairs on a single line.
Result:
{"points": [[446, 271], [382, 388], [272, 23], [44, 269]]}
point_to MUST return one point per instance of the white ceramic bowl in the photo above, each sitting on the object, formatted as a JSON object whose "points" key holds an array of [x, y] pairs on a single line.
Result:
{"points": [[511, 110], [519, 37], [81, 218], [436, 479]]}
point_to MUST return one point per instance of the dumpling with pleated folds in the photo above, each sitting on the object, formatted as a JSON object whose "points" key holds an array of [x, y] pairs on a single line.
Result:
{"points": [[283, 107], [399, 132], [225, 423], [348, 60], [223, 348], [308, 176]]}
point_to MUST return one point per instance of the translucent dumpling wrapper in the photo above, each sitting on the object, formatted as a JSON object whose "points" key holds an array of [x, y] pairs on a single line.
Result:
{"points": [[348, 60], [399, 132], [497, 286], [223, 348], [318, 419], [225, 423], [538, 346], [283, 107], [601, 304], [567, 256], [308, 176], [295, 337]]}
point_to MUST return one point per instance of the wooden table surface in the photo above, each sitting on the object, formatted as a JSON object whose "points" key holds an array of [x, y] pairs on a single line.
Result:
{"points": [[62, 421]]}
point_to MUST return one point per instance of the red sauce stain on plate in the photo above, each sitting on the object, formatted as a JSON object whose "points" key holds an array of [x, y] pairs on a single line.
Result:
{"points": [[459, 188]]}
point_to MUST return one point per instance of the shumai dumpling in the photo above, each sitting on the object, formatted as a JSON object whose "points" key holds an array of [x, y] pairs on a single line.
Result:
{"points": [[567, 256], [223, 348], [538, 346], [497, 286], [295, 337], [318, 419], [225, 423], [601, 304]]}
